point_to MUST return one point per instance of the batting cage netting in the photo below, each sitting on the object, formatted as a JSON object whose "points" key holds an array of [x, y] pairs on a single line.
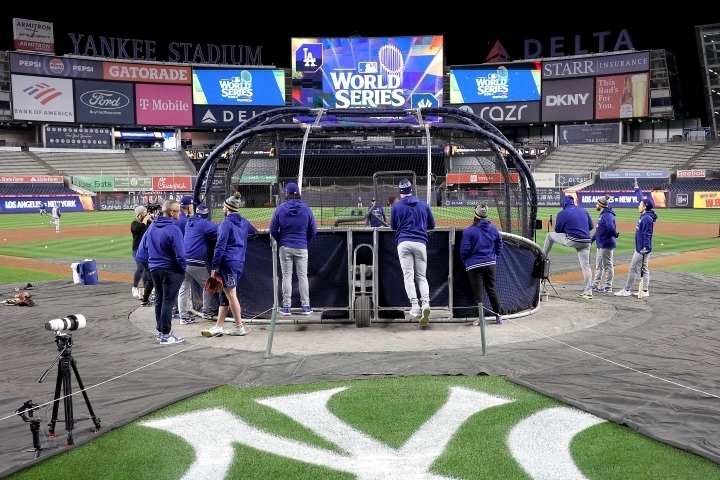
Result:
{"points": [[347, 161]]}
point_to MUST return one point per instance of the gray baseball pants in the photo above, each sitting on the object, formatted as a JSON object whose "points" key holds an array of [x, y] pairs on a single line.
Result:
{"points": [[298, 257], [413, 261], [638, 261], [583, 253], [604, 266]]}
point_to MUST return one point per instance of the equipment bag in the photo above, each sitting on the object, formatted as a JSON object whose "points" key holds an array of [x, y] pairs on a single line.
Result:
{"points": [[87, 271]]}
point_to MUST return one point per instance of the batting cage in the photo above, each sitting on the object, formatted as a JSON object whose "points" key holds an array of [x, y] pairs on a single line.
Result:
{"points": [[347, 161]]}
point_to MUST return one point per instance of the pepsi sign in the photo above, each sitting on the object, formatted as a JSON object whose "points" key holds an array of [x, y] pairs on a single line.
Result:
{"points": [[55, 66], [109, 103]]}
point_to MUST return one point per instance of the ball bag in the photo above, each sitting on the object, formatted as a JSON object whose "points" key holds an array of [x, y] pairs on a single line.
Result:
{"points": [[87, 271]]}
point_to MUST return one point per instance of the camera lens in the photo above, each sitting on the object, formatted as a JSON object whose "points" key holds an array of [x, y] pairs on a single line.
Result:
{"points": [[71, 323]]}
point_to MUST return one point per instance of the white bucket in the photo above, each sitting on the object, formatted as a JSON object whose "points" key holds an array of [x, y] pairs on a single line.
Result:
{"points": [[73, 267]]}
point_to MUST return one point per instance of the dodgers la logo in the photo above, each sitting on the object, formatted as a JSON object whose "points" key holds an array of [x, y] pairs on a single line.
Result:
{"points": [[309, 57], [540, 443]]}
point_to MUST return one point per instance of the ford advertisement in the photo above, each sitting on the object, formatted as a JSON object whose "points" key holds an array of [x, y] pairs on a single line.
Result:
{"points": [[111, 103]]}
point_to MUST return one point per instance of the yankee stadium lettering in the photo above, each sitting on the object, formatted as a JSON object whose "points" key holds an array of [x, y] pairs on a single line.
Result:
{"points": [[366, 90]]}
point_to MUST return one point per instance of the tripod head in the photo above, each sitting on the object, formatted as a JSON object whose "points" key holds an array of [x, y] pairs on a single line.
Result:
{"points": [[28, 408], [64, 343]]}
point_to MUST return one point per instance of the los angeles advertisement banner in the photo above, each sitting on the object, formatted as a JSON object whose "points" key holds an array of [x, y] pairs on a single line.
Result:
{"points": [[69, 203], [617, 199]]}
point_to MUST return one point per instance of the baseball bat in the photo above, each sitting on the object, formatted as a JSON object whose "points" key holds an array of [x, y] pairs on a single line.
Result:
{"points": [[642, 271]]}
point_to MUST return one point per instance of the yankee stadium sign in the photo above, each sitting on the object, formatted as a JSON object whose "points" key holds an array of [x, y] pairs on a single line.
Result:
{"points": [[179, 52]]}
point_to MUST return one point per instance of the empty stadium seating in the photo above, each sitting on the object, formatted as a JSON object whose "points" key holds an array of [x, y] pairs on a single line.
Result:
{"points": [[708, 160], [35, 189], [660, 156], [583, 158], [15, 162], [158, 162], [110, 162]]}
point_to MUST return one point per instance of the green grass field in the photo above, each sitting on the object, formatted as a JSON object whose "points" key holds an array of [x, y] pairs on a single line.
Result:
{"points": [[385, 414], [118, 246]]}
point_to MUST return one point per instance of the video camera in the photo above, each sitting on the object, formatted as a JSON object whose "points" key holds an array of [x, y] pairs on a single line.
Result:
{"points": [[71, 323], [153, 209]]}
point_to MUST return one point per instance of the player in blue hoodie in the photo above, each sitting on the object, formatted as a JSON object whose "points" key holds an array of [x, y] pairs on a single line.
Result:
{"points": [[572, 229], [375, 216], [199, 232], [480, 246], [643, 244], [167, 262], [605, 235], [293, 226], [411, 219], [228, 261]]}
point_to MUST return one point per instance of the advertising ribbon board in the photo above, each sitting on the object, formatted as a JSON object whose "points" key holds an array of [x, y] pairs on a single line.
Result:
{"points": [[706, 200], [132, 183]]}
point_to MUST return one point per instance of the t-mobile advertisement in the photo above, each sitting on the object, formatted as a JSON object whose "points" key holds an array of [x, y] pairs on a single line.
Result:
{"points": [[568, 100], [163, 105], [70, 203]]}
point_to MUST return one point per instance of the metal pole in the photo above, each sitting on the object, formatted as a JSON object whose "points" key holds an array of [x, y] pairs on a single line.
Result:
{"points": [[429, 163], [481, 321], [273, 318]]}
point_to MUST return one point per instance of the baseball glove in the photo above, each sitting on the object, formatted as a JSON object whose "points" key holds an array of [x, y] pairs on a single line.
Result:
{"points": [[214, 284]]}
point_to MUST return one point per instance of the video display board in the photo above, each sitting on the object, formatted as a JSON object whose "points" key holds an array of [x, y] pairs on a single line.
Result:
{"points": [[224, 86], [371, 72], [98, 102], [568, 100], [516, 82]]}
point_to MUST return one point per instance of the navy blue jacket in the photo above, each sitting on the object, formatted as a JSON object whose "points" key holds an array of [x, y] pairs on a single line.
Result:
{"points": [[480, 245], [232, 241], [606, 230], [293, 224], [166, 250], [411, 219], [373, 221], [199, 232], [182, 221], [142, 252], [574, 222], [644, 231]]}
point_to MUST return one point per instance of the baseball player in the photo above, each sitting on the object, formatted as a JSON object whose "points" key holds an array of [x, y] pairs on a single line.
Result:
{"points": [[43, 209], [605, 235], [56, 218], [375, 216]]}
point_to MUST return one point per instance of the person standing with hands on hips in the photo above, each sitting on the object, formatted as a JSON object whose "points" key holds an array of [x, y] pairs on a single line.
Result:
{"points": [[228, 261], [643, 244], [480, 247], [293, 226], [411, 219], [572, 229], [605, 235]]}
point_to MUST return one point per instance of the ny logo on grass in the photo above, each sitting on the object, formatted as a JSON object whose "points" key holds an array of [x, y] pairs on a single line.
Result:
{"points": [[539, 443]]}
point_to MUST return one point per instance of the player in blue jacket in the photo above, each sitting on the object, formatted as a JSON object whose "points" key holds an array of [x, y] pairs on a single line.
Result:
{"points": [[375, 216], [293, 226], [167, 262], [228, 261], [199, 232], [572, 229], [643, 244], [605, 235], [480, 246], [411, 219]]}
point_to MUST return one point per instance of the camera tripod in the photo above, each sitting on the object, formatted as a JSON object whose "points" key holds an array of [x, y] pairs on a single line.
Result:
{"points": [[30, 408], [64, 344]]}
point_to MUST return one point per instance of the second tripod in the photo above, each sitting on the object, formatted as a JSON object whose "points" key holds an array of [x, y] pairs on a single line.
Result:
{"points": [[66, 363]]}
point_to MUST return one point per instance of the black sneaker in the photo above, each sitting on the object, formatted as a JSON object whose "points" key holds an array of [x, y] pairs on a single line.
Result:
{"points": [[146, 304]]}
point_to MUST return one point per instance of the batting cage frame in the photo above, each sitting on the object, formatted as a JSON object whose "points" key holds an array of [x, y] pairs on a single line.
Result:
{"points": [[354, 270]]}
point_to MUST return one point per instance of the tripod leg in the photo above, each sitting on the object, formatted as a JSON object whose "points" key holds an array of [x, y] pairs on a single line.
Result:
{"points": [[95, 420], [56, 404], [67, 393]]}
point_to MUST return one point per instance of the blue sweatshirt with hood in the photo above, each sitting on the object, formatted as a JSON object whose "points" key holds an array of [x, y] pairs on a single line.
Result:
{"points": [[606, 230], [293, 224], [142, 252], [166, 249], [232, 241], [199, 232], [182, 221], [574, 222], [480, 245], [411, 219], [644, 227]]}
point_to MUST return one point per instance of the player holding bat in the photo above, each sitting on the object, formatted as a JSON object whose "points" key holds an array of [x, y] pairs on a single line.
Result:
{"points": [[643, 246]]}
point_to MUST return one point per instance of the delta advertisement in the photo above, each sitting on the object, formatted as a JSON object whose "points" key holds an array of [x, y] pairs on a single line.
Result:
{"points": [[238, 87], [492, 84], [69, 203], [42, 98], [370, 72], [163, 105], [224, 116]]}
